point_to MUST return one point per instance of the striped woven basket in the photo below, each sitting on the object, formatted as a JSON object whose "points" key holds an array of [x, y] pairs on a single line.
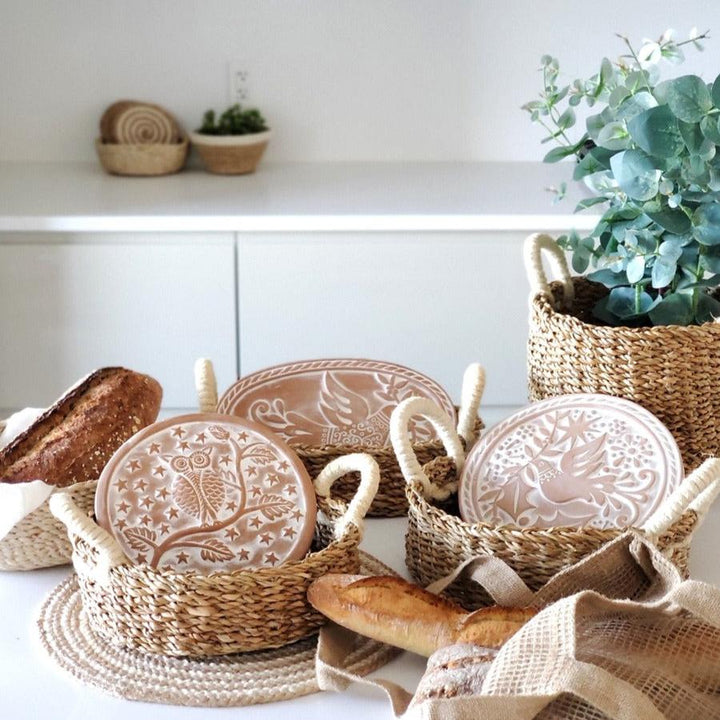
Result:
{"points": [[189, 614], [391, 499], [438, 541], [672, 371]]}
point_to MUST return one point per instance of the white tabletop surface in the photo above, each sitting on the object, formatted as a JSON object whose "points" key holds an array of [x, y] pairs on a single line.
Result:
{"points": [[80, 197]]}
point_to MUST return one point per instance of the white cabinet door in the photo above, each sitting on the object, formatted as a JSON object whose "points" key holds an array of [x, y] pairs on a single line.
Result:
{"points": [[433, 301], [150, 303]]}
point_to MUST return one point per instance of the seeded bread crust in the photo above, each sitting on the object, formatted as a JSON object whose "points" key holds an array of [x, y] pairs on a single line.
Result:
{"points": [[72, 441]]}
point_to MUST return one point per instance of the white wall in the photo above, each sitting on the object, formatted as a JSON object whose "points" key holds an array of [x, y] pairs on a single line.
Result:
{"points": [[337, 79]]}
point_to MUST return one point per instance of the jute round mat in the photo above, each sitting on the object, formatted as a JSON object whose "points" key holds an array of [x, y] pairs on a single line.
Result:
{"points": [[225, 681]]}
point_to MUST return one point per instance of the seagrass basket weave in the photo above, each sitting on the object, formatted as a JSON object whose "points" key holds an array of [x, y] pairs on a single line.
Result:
{"points": [[438, 541], [672, 371], [189, 614], [391, 498]]}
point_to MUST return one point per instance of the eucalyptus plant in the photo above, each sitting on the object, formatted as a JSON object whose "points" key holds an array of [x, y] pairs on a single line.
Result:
{"points": [[649, 154]]}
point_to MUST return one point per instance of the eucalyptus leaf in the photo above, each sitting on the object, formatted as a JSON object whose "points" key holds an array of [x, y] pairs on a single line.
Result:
{"points": [[608, 278], [675, 309], [674, 221], [589, 202], [636, 174], [706, 224], [716, 92], [656, 132], [663, 272], [626, 303], [558, 153], [632, 106], [636, 269], [708, 308], [689, 98]]}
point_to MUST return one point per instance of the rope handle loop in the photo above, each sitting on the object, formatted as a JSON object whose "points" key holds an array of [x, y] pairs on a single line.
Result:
{"points": [[532, 251], [206, 385], [369, 480], [401, 442], [696, 492], [473, 387], [110, 554]]}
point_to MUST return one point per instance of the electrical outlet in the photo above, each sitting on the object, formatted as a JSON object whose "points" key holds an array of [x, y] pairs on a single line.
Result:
{"points": [[237, 84]]}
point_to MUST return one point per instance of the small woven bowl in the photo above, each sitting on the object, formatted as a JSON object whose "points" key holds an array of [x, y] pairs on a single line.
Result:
{"points": [[391, 498], [149, 159], [438, 541], [188, 614], [231, 154]]}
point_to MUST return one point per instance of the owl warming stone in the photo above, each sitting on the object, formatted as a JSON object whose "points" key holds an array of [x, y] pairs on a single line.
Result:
{"points": [[207, 493], [575, 460], [333, 402]]}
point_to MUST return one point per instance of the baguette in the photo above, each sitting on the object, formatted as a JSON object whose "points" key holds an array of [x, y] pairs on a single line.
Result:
{"points": [[73, 439], [399, 613]]}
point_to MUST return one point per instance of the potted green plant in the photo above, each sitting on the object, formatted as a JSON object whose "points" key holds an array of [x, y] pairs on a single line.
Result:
{"points": [[640, 323], [234, 142]]}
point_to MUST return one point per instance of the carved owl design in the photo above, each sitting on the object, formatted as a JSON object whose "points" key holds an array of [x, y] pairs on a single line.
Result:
{"points": [[197, 488]]}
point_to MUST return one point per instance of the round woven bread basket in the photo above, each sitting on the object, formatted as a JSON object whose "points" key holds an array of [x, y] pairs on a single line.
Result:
{"points": [[438, 541], [391, 498], [142, 159], [188, 614], [672, 370], [231, 154]]}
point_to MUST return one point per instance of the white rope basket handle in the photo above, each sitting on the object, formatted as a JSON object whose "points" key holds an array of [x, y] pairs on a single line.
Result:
{"points": [[472, 391], [110, 554], [400, 438], [369, 480], [206, 386], [696, 492], [534, 246]]}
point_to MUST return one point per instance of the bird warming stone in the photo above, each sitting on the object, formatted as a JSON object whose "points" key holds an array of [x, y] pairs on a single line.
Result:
{"points": [[575, 460], [209, 493], [333, 402]]}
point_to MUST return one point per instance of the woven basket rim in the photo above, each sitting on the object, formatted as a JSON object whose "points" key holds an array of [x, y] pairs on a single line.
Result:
{"points": [[542, 303]]}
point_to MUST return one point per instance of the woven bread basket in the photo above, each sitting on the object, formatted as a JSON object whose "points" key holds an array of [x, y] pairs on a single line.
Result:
{"points": [[189, 614], [438, 541], [391, 498], [672, 370], [231, 154], [142, 159]]}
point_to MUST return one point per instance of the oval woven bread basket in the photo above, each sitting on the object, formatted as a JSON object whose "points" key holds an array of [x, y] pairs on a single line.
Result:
{"points": [[142, 159], [438, 540], [188, 614], [391, 499], [672, 370]]}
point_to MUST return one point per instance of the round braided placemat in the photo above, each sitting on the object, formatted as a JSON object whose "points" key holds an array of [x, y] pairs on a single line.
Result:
{"points": [[224, 681]]}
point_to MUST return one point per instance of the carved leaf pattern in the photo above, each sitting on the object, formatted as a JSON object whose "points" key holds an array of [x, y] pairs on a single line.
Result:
{"points": [[219, 433], [274, 507], [260, 453], [214, 550], [200, 495], [140, 538]]}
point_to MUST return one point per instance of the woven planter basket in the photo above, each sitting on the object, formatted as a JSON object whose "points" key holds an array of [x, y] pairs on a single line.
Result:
{"points": [[672, 371], [188, 614], [438, 541], [231, 154], [391, 498], [143, 158]]}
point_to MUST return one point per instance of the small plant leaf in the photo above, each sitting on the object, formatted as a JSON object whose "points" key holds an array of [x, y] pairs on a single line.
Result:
{"points": [[656, 132], [635, 269], [715, 94], [706, 224], [608, 278], [675, 309], [674, 221], [708, 308], [663, 272], [623, 302], [636, 174], [689, 98]]}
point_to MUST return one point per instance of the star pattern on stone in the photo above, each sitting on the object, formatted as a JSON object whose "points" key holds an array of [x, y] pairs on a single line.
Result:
{"points": [[256, 522], [162, 493], [141, 558], [243, 554], [266, 538], [201, 437], [133, 465], [284, 465], [273, 479], [120, 524], [271, 558], [297, 514], [231, 534], [231, 506], [172, 513], [242, 436], [141, 485], [147, 502], [123, 507], [159, 470], [164, 529], [122, 484], [291, 490], [184, 445], [252, 471], [182, 558], [146, 519], [225, 459], [289, 532], [154, 449], [256, 491], [178, 432]]}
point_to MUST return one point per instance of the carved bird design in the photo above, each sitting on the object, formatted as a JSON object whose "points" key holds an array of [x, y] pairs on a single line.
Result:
{"points": [[197, 488], [578, 475]]}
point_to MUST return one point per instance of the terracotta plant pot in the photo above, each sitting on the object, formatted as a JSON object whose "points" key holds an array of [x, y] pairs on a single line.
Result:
{"points": [[231, 154]]}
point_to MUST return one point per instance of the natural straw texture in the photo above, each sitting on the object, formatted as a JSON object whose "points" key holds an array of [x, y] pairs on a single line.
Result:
{"points": [[40, 540], [438, 540], [142, 159], [226, 681], [672, 371], [195, 615], [391, 498], [230, 159]]}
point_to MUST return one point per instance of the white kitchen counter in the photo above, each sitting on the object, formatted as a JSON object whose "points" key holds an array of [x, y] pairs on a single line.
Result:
{"points": [[51, 197]]}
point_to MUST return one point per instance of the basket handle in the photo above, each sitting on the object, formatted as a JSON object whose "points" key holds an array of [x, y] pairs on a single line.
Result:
{"points": [[110, 554], [369, 480], [400, 438], [697, 492], [472, 391], [206, 385], [534, 245]]}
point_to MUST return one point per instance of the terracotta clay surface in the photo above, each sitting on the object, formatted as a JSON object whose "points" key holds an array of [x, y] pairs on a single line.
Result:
{"points": [[574, 460], [207, 492], [332, 402]]}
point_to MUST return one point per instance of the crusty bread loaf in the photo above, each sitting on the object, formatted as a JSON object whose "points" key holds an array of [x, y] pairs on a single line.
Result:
{"points": [[72, 441], [397, 612]]}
